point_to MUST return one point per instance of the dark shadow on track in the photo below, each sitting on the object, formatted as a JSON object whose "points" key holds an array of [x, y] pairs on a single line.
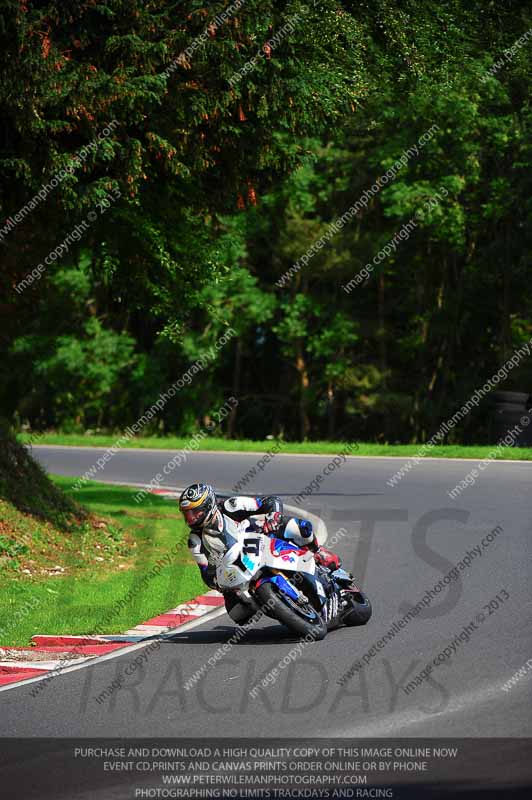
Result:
{"points": [[271, 635], [293, 495]]}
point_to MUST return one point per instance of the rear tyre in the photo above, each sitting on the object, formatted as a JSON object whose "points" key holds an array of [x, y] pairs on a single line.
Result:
{"points": [[303, 620], [358, 611]]}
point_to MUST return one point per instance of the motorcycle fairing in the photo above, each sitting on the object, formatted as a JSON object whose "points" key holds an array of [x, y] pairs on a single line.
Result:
{"points": [[342, 575], [249, 551], [316, 587], [287, 556], [237, 568], [282, 583], [280, 547]]}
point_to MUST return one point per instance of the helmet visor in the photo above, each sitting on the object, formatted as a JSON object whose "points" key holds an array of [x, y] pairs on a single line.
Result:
{"points": [[194, 516]]}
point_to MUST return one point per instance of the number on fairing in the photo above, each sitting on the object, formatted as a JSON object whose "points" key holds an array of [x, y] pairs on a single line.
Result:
{"points": [[251, 547]]}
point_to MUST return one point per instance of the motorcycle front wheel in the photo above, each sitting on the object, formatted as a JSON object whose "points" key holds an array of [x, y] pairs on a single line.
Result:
{"points": [[302, 619]]}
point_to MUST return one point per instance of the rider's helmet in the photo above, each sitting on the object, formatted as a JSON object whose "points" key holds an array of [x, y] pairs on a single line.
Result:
{"points": [[198, 505]]}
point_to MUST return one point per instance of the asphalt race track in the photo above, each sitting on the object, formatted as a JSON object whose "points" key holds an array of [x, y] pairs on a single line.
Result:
{"points": [[400, 541]]}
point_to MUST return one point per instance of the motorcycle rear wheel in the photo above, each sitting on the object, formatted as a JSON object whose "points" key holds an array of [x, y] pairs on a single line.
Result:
{"points": [[359, 609], [305, 621]]}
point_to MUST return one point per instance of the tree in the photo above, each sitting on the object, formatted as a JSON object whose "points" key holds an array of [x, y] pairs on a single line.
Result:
{"points": [[186, 142]]}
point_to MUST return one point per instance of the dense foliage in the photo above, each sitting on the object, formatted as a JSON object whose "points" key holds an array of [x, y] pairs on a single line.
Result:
{"points": [[216, 187]]}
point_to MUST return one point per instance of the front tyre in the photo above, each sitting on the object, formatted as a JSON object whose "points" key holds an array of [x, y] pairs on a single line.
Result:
{"points": [[302, 619], [358, 609]]}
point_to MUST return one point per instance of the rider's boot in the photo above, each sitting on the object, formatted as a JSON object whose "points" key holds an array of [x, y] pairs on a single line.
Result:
{"points": [[239, 606]]}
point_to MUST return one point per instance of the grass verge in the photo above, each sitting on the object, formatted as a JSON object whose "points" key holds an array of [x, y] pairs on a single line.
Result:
{"points": [[89, 592], [247, 445]]}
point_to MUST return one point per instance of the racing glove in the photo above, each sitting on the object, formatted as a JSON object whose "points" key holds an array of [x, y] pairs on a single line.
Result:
{"points": [[272, 522]]}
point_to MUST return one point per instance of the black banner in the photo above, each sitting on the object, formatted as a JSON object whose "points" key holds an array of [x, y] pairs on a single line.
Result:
{"points": [[273, 769]]}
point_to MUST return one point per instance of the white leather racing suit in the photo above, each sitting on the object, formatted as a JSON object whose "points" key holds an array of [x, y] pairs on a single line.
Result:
{"points": [[258, 510]]}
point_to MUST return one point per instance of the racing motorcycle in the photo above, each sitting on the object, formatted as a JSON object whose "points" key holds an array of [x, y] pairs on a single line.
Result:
{"points": [[284, 581]]}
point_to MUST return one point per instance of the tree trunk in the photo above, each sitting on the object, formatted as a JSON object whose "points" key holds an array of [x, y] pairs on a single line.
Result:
{"points": [[237, 372], [506, 332], [331, 412], [301, 366], [382, 329]]}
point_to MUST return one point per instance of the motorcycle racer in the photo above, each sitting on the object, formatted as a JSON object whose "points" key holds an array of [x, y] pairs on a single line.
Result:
{"points": [[203, 513]]}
